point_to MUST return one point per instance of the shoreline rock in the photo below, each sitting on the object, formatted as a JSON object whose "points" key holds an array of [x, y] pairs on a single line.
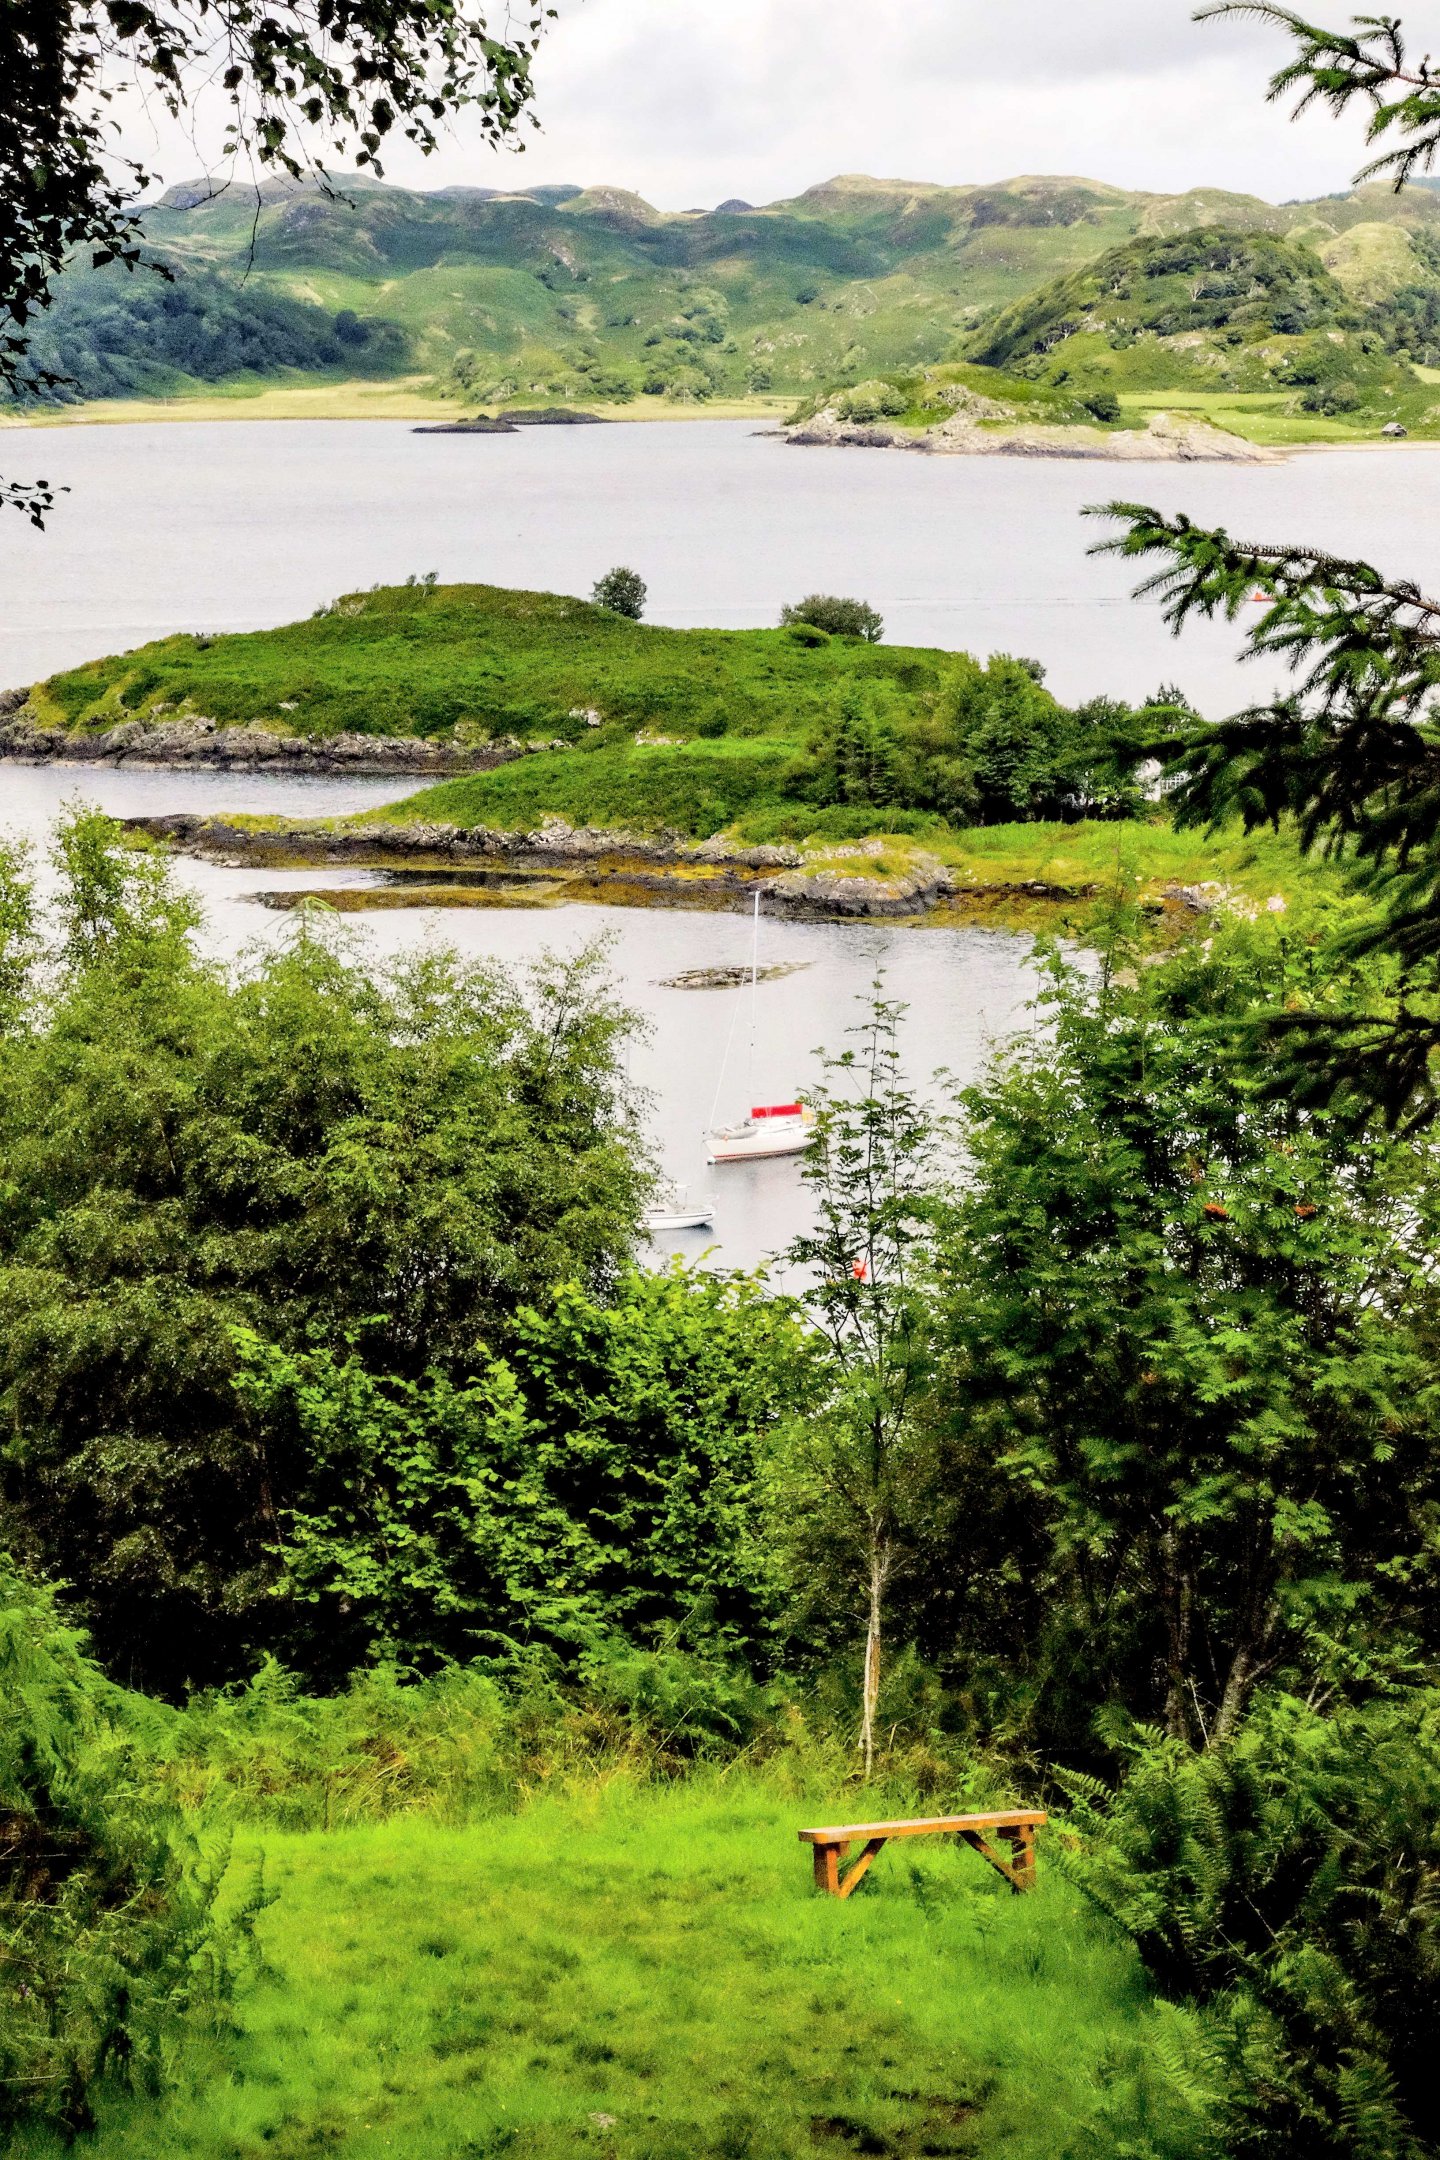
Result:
{"points": [[1165, 439], [570, 861], [181, 743]]}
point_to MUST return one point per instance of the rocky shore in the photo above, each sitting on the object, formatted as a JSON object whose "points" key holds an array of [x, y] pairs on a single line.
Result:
{"points": [[1166, 439], [204, 743], [425, 865]]}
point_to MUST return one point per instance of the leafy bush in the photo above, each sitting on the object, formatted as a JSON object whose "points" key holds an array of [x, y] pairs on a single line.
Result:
{"points": [[872, 400], [839, 618], [107, 1928], [316, 1149], [596, 1482], [1194, 1326], [622, 592]]}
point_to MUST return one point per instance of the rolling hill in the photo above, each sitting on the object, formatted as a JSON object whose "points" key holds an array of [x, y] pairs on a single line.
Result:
{"points": [[591, 294]]}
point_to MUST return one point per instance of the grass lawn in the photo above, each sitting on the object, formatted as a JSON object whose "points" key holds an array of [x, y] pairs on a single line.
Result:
{"points": [[1260, 416], [648, 1972], [1149, 851]]}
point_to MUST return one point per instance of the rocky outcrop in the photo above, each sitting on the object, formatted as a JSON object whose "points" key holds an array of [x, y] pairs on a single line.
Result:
{"points": [[664, 868], [200, 742], [1166, 439], [554, 844], [922, 885], [478, 424]]}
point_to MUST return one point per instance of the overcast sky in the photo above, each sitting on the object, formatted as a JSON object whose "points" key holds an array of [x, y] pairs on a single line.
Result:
{"points": [[691, 101]]}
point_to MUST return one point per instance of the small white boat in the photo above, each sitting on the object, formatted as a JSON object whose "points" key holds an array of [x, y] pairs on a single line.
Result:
{"points": [[673, 1211], [770, 1129]]}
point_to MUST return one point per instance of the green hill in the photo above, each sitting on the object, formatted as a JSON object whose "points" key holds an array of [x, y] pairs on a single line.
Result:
{"points": [[613, 722], [1251, 328], [591, 294]]}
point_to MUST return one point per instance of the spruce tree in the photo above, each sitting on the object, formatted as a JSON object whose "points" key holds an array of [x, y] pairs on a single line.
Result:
{"points": [[1352, 752]]}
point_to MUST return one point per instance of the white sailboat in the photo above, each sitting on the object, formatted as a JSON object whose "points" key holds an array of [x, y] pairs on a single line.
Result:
{"points": [[674, 1211], [771, 1128]]}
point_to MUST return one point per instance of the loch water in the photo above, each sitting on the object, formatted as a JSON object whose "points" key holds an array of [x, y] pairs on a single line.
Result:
{"points": [[229, 525], [964, 988]]}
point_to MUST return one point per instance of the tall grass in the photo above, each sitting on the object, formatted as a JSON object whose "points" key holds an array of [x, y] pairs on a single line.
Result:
{"points": [[636, 1970]]}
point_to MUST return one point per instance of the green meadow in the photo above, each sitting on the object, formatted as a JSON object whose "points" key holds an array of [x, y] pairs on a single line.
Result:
{"points": [[636, 1972], [485, 661]]}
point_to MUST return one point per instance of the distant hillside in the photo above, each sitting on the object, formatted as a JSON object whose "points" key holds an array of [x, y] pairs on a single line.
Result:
{"points": [[1211, 311], [112, 334], [591, 294]]}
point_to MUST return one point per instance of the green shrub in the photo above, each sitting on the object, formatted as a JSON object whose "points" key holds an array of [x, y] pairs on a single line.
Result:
{"points": [[317, 1150], [107, 1928], [871, 401], [838, 617], [621, 592]]}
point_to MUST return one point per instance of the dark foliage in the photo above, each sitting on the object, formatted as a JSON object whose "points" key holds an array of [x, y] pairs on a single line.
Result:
{"points": [[110, 335], [1192, 1330], [106, 1928], [992, 746], [1286, 1884], [1206, 279], [1353, 756], [596, 1482], [311, 1152], [621, 592]]}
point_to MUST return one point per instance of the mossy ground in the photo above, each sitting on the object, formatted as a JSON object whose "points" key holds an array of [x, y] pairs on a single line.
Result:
{"points": [[642, 1973]]}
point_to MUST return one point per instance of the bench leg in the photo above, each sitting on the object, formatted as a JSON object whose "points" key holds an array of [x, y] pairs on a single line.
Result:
{"points": [[1021, 1841], [828, 1860], [1011, 1869], [861, 1866], [1022, 1854], [827, 1867]]}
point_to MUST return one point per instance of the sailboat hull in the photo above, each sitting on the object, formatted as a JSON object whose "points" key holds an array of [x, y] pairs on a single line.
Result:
{"points": [[754, 1143]]}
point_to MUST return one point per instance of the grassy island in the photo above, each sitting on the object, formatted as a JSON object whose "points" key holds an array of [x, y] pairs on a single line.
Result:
{"points": [[886, 762]]}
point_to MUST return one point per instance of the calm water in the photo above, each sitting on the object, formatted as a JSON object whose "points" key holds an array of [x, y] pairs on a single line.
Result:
{"points": [[230, 525], [233, 524], [962, 987]]}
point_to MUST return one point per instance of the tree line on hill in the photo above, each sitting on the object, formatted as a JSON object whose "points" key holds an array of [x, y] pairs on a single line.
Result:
{"points": [[108, 334]]}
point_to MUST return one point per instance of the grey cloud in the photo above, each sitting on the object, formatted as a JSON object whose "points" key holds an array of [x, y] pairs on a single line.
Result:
{"points": [[687, 102]]}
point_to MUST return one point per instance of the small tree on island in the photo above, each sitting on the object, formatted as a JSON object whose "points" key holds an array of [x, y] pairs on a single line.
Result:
{"points": [[839, 618], [622, 591]]}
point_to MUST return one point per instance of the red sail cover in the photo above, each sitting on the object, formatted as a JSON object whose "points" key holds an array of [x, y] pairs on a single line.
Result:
{"points": [[780, 1109]]}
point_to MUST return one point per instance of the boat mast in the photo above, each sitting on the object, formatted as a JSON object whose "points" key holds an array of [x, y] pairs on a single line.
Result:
{"points": [[734, 1017], [754, 1000]]}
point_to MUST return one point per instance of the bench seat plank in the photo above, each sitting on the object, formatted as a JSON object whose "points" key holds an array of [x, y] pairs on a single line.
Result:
{"points": [[925, 1825]]}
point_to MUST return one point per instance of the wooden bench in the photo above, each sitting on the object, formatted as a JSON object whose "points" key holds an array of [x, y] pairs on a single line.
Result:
{"points": [[1016, 1827]]}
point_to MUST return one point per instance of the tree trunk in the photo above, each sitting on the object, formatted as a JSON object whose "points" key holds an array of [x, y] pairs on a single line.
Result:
{"points": [[879, 1569], [1246, 1666], [1179, 1718]]}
